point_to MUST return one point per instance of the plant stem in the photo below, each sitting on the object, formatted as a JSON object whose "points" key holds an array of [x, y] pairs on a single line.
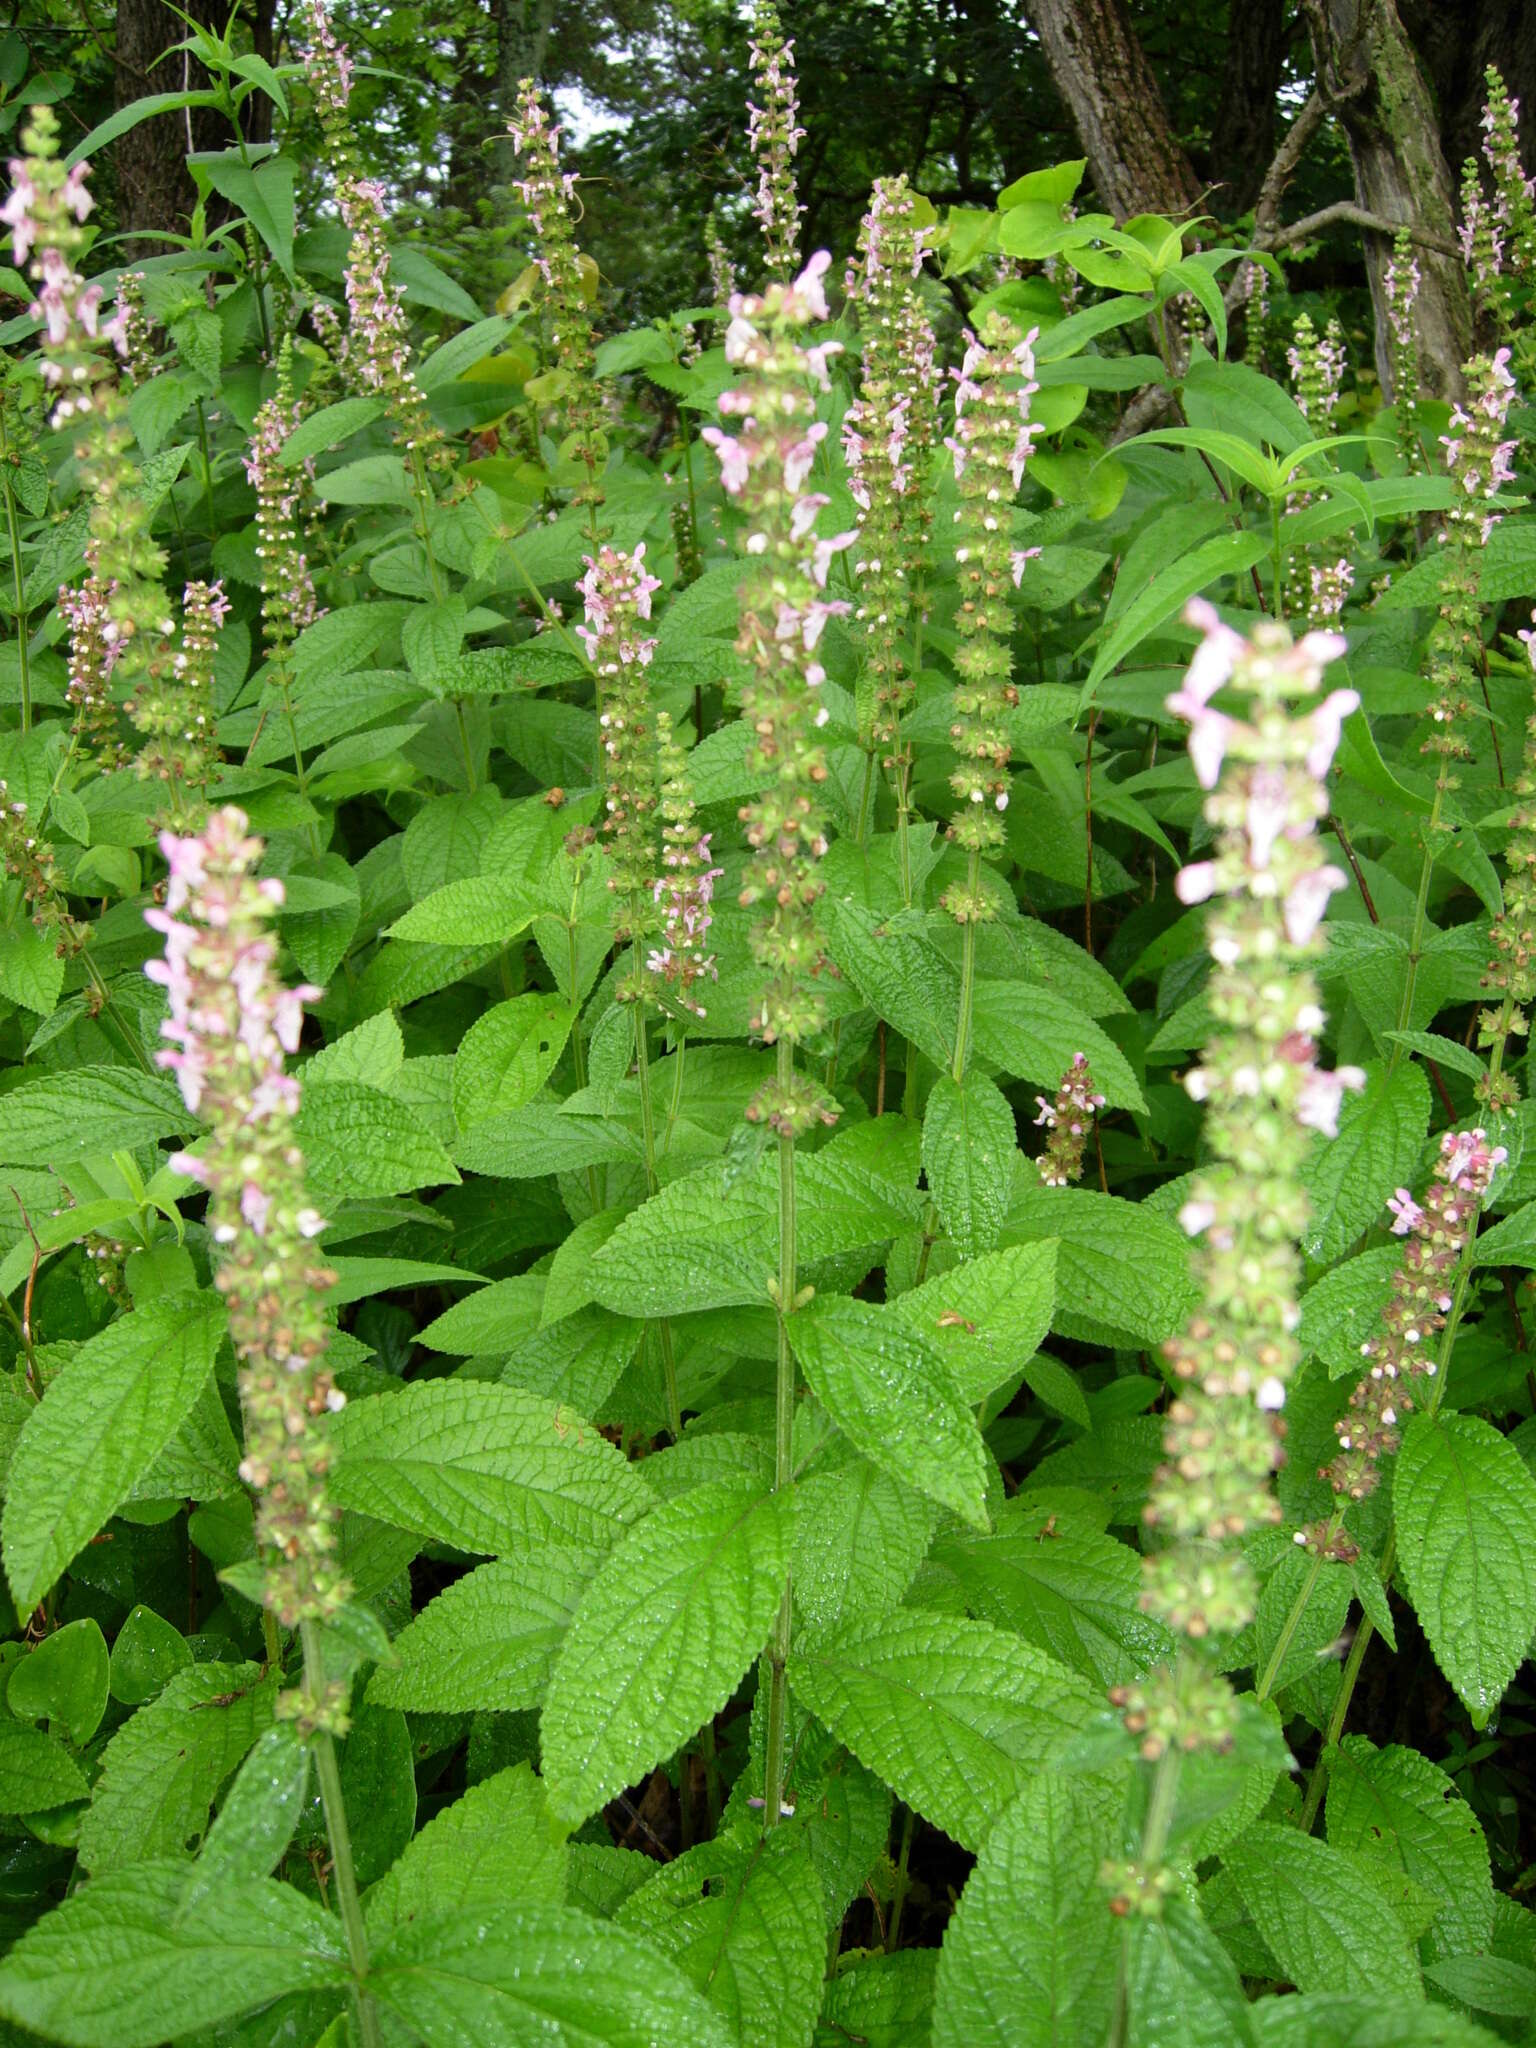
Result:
{"points": [[1420, 918], [648, 1132], [13, 532], [967, 974], [899, 1895], [348, 1903], [783, 1452]]}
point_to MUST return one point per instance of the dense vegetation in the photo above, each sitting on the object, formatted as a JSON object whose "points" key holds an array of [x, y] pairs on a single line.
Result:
{"points": [[764, 1204]]}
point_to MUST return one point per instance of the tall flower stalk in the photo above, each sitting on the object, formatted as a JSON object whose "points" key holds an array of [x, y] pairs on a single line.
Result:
{"points": [[288, 599], [232, 1023], [888, 435], [546, 192], [1402, 282], [991, 443], [1316, 363], [775, 135], [1477, 457], [1263, 765], [765, 465], [1512, 969], [1514, 193]]}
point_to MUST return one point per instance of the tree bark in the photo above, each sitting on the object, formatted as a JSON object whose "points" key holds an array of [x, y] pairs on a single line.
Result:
{"points": [[1243, 130], [1100, 69], [1367, 65], [156, 191], [1455, 46], [522, 37]]}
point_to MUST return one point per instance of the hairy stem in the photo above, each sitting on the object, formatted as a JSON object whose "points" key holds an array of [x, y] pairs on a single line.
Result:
{"points": [[349, 1905], [783, 1453]]}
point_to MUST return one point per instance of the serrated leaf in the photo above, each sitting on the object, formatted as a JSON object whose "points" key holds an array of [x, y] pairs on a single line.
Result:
{"points": [[1342, 1311], [955, 1715], [99, 1427], [54, 1119], [507, 1055], [63, 1679], [662, 1638], [257, 1818], [898, 974], [492, 1319], [1464, 1503], [860, 1535], [1029, 1957], [497, 1841], [534, 1976], [1395, 1805], [359, 1142], [1327, 1929], [114, 1967], [1182, 1986], [1349, 1176], [328, 427], [750, 1936], [487, 1644], [480, 910], [163, 1767], [1035, 1034], [986, 1318], [969, 1148], [891, 1395], [884, 2001], [1119, 1268], [1325, 2020]]}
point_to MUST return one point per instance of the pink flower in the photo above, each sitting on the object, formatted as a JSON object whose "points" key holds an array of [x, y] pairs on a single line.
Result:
{"points": [[1406, 1213]]}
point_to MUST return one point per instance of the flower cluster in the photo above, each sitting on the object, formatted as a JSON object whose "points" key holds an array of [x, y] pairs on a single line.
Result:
{"points": [[1331, 583], [231, 1022], [722, 272], [888, 435], [1481, 235], [766, 465], [376, 352], [288, 601], [546, 192], [134, 343], [1317, 371], [1437, 1233], [1402, 289], [1264, 769], [991, 443], [1514, 193], [1512, 969], [1068, 1120], [774, 137], [172, 706], [685, 888], [616, 591], [1478, 458], [94, 646], [45, 213], [29, 860]]}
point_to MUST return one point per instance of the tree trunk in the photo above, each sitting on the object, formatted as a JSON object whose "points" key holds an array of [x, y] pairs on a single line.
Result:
{"points": [[156, 190], [1243, 129], [1100, 69], [1455, 47], [1367, 65]]}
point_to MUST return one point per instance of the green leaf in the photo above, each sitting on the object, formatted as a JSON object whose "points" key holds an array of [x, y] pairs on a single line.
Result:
{"points": [[1487, 1984], [432, 636], [1072, 1591], [1034, 1034], [859, 1538], [956, 1716], [359, 1142], [63, 1679], [1328, 1929], [480, 910], [264, 193], [378, 1787], [498, 1842], [1224, 554], [56, 1119], [898, 974], [130, 116], [1182, 1985], [1349, 1177], [986, 1318], [1464, 1502], [495, 1318], [662, 1638], [1122, 1273], [257, 1819], [35, 1771], [535, 1977], [1343, 1309], [507, 1055], [148, 1653], [883, 2001], [1029, 1956], [482, 1467], [98, 1429], [487, 1644], [164, 1766], [114, 1966], [1395, 1806], [370, 480], [969, 1150], [751, 1936], [328, 427], [891, 1395], [1326, 2021]]}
